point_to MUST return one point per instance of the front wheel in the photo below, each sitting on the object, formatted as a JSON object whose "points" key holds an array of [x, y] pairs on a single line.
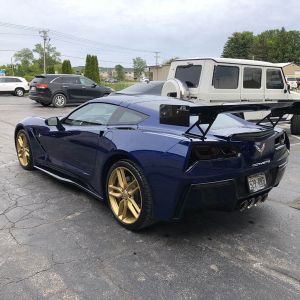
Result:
{"points": [[295, 125], [129, 195], [59, 100], [19, 92], [24, 150]]}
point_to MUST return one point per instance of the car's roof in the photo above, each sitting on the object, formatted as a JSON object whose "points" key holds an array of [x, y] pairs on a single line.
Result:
{"points": [[12, 77], [55, 75], [234, 61]]}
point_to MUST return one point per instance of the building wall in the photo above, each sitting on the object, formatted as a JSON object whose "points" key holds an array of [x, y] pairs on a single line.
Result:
{"points": [[159, 72], [291, 69]]}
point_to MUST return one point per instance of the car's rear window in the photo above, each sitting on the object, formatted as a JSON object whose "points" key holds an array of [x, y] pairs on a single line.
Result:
{"points": [[38, 79]]}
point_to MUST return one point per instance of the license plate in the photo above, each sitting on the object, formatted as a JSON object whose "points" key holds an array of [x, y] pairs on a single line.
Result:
{"points": [[257, 182], [33, 88]]}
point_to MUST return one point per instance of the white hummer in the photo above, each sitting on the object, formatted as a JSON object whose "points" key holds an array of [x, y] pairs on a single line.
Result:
{"points": [[226, 80]]}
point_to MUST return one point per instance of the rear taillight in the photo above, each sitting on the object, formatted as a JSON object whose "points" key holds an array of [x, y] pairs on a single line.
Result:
{"points": [[41, 86], [208, 151]]}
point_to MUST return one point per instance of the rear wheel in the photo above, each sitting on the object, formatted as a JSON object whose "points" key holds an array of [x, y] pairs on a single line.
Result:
{"points": [[129, 195], [295, 125], [19, 92], [24, 150], [59, 100]]}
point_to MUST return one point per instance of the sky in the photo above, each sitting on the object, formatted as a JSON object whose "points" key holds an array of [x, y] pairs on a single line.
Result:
{"points": [[119, 30]]}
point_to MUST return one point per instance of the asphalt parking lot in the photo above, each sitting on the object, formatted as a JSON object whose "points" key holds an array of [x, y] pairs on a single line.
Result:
{"points": [[57, 242]]}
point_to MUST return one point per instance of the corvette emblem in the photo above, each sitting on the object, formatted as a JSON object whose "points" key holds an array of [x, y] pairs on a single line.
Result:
{"points": [[260, 147]]}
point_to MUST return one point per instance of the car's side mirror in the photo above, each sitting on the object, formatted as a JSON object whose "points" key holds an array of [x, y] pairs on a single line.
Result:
{"points": [[53, 121], [288, 89], [94, 85]]}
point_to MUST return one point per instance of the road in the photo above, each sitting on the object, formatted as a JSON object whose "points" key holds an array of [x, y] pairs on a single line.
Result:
{"points": [[57, 242]]}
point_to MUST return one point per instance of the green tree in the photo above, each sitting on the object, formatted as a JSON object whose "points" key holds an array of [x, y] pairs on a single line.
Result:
{"points": [[50, 69], [139, 66], [120, 72], [91, 69], [66, 67], [52, 55], [239, 45], [24, 57]]}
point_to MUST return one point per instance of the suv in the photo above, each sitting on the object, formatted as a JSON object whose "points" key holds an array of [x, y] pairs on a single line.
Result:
{"points": [[13, 85], [62, 89]]}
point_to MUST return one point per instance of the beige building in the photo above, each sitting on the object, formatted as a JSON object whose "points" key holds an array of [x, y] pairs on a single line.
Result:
{"points": [[290, 69], [106, 73], [159, 72]]}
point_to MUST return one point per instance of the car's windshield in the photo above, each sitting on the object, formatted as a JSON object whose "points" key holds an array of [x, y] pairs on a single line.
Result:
{"points": [[151, 88]]}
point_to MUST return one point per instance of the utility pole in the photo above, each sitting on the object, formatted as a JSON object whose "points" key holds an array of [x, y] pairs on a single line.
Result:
{"points": [[156, 63], [44, 35], [12, 66]]}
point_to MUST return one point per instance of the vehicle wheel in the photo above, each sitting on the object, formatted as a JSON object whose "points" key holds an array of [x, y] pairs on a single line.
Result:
{"points": [[295, 125], [19, 92], [59, 100], [45, 104], [24, 150], [129, 195]]}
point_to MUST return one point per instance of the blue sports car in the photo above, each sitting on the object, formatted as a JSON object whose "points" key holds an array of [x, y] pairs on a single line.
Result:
{"points": [[152, 158]]}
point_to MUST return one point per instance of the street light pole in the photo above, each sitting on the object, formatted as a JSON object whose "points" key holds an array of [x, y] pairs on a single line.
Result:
{"points": [[44, 35]]}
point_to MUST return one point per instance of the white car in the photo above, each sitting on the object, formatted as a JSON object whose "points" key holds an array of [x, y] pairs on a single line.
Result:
{"points": [[14, 85], [292, 82]]}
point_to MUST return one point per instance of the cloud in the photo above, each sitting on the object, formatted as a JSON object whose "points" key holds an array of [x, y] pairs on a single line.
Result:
{"points": [[184, 28]]}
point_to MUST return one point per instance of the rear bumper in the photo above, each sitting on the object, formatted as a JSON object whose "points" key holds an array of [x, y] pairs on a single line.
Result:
{"points": [[40, 98], [226, 195]]}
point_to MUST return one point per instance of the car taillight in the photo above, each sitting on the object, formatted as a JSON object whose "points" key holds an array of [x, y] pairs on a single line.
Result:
{"points": [[208, 151], [41, 85]]}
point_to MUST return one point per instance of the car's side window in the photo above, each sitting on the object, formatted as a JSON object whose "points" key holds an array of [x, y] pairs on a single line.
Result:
{"points": [[274, 79], [252, 78], [70, 80], [91, 114], [125, 116], [12, 80], [86, 81], [189, 74], [57, 80], [226, 77]]}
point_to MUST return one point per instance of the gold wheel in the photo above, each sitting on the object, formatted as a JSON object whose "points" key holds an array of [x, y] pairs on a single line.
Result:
{"points": [[23, 149], [124, 194]]}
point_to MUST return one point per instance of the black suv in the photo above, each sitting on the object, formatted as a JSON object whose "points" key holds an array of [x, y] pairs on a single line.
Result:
{"points": [[62, 89]]}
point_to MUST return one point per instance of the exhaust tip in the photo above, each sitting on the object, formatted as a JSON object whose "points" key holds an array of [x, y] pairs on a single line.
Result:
{"points": [[243, 205], [251, 202]]}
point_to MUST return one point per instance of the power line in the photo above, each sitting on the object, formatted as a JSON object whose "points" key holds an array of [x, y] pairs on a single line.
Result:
{"points": [[72, 37]]}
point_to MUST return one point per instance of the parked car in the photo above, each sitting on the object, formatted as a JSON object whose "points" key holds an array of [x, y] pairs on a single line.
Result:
{"points": [[292, 81], [62, 89], [143, 88], [111, 80], [17, 86], [152, 158]]}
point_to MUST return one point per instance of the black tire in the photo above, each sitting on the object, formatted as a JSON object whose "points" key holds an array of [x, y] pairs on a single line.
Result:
{"points": [[46, 104], [145, 218], [295, 125], [29, 165], [59, 100], [19, 92]]}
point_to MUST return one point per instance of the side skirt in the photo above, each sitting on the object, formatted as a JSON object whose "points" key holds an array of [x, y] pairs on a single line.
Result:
{"points": [[69, 181]]}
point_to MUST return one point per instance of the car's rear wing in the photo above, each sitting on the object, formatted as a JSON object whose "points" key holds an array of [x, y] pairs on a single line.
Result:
{"points": [[179, 115]]}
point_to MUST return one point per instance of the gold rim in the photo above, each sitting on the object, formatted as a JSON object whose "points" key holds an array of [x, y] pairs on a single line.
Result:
{"points": [[124, 195], [23, 149]]}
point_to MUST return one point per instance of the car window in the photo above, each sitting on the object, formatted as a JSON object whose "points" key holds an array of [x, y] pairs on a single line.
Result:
{"points": [[91, 114], [226, 77], [274, 79], [38, 79], [2, 79], [71, 80], [57, 80], [12, 80], [86, 81], [151, 88], [125, 116], [252, 78], [189, 74]]}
